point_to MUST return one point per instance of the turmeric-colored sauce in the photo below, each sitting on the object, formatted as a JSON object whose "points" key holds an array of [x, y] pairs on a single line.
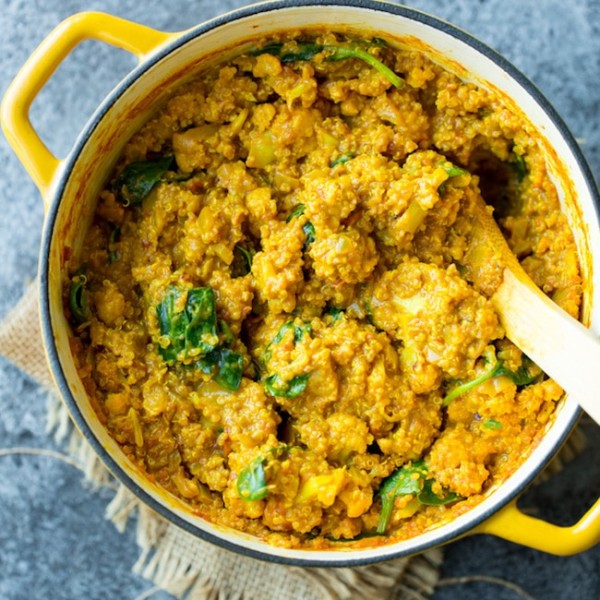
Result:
{"points": [[272, 314]]}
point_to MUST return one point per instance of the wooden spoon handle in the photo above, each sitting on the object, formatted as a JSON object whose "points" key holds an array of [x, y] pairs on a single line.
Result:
{"points": [[562, 347], [559, 344]]}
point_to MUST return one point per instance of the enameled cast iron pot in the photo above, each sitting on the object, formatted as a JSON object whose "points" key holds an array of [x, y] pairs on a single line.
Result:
{"points": [[70, 186]]}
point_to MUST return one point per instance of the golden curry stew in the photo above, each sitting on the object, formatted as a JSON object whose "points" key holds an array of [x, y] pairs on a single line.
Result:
{"points": [[270, 315]]}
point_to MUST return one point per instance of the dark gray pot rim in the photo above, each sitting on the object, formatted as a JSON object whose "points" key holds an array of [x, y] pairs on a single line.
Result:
{"points": [[49, 225]]}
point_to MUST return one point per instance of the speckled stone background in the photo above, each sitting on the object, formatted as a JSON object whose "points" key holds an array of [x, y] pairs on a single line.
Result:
{"points": [[54, 542]]}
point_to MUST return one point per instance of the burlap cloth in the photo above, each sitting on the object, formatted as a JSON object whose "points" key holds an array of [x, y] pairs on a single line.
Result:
{"points": [[190, 568]]}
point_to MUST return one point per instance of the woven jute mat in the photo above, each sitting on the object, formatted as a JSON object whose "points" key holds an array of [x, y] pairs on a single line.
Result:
{"points": [[190, 568]]}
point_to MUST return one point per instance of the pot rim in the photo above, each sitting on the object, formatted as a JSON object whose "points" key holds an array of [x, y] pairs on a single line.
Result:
{"points": [[445, 533]]}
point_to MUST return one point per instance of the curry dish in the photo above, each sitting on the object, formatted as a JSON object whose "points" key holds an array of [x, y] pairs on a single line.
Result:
{"points": [[272, 313]]}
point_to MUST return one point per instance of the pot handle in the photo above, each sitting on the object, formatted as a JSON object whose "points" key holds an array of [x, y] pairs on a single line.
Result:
{"points": [[35, 156], [513, 525]]}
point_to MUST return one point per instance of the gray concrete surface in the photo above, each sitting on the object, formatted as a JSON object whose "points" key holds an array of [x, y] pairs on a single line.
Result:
{"points": [[54, 543]]}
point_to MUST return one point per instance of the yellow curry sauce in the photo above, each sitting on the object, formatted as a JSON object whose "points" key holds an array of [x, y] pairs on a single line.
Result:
{"points": [[270, 315]]}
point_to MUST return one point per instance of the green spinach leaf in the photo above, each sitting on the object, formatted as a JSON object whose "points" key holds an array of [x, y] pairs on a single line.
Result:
{"points": [[334, 312], [341, 159], [172, 325], [229, 369], [310, 233], [138, 178], [201, 329], [521, 377], [406, 480], [299, 332], [519, 166], [78, 300], [343, 52], [492, 424], [225, 334], [409, 480], [270, 48], [113, 240], [452, 171], [297, 211], [191, 331], [286, 389], [194, 333], [252, 481], [427, 497], [308, 228], [246, 256], [308, 50]]}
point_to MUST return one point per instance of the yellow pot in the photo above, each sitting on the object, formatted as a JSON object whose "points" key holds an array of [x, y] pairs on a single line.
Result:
{"points": [[70, 186]]}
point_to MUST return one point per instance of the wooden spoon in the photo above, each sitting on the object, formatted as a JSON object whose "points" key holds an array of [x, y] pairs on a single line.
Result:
{"points": [[560, 345]]}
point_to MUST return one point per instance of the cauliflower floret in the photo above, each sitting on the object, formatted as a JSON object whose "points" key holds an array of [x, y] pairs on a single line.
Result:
{"points": [[338, 437], [436, 314], [347, 256]]}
